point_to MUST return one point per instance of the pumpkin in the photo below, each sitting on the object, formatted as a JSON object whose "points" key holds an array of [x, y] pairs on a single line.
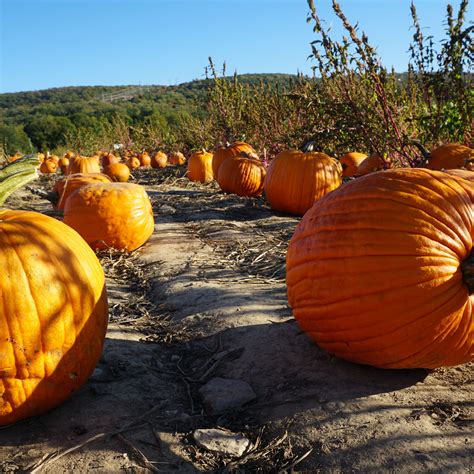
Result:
{"points": [[107, 159], [176, 158], [117, 215], [83, 164], [296, 180], [379, 272], [234, 149], [118, 172], [69, 154], [49, 166], [350, 162], [133, 163], [242, 176], [53, 315], [159, 160], [200, 167], [145, 159], [63, 164], [449, 156], [66, 186], [371, 164]]}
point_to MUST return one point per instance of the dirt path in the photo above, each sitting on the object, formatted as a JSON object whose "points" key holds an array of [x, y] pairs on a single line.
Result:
{"points": [[204, 299]]}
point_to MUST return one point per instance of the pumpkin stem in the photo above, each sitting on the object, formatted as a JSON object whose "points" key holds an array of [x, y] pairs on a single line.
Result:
{"points": [[309, 146], [467, 269], [16, 174], [423, 150]]}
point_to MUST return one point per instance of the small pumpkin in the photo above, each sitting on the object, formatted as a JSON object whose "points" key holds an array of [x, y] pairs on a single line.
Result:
{"points": [[63, 164], [54, 312], [133, 163], [296, 180], [49, 166], [108, 158], [242, 176], [117, 215], [176, 158], [350, 162], [83, 164], [371, 164], [67, 185], [379, 271], [118, 172], [159, 160], [233, 149], [200, 167], [145, 159]]}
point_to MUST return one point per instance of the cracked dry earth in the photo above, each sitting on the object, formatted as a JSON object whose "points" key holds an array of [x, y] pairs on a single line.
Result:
{"points": [[205, 298]]}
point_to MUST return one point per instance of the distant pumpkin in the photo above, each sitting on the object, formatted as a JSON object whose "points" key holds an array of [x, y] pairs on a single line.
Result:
{"points": [[49, 166], [296, 180], [242, 176], [63, 164], [133, 163], [119, 172], [159, 160], [200, 167], [350, 162], [234, 149], [176, 158], [371, 164], [83, 164], [145, 159]]}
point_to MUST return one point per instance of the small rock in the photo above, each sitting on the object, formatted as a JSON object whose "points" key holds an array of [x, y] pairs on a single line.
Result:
{"points": [[175, 358], [221, 441], [165, 209], [221, 394]]}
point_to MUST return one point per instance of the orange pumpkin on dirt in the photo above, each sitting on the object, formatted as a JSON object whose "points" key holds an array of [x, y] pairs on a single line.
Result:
{"points": [[133, 163], [380, 271], [176, 158], [159, 160], [67, 185], [145, 159], [119, 172], [49, 166], [233, 149], [63, 164], [107, 159], [83, 164], [200, 167], [53, 315], [117, 215], [296, 180], [242, 176]]}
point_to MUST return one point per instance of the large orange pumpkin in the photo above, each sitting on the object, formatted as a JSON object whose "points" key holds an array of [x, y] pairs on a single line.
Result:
{"points": [[379, 272], [117, 215], [234, 149], [449, 156], [462, 173], [66, 186], [53, 315], [200, 167], [296, 180], [350, 162], [83, 164], [242, 176]]}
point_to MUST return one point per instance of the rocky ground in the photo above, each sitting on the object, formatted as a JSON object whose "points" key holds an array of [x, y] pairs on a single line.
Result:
{"points": [[205, 370]]}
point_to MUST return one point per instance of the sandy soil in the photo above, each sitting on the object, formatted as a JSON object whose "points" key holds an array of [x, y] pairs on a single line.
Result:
{"points": [[204, 298]]}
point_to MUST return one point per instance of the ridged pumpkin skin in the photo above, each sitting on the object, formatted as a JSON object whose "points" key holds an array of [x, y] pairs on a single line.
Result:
{"points": [[350, 162], [119, 172], [373, 270], [117, 215], [370, 164], [461, 173], [176, 158], [200, 167], [83, 164], [296, 180], [234, 149], [66, 186], [242, 176], [159, 160], [53, 315], [449, 156]]}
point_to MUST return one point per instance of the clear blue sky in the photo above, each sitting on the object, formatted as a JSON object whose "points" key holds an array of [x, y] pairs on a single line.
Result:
{"points": [[54, 43]]}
